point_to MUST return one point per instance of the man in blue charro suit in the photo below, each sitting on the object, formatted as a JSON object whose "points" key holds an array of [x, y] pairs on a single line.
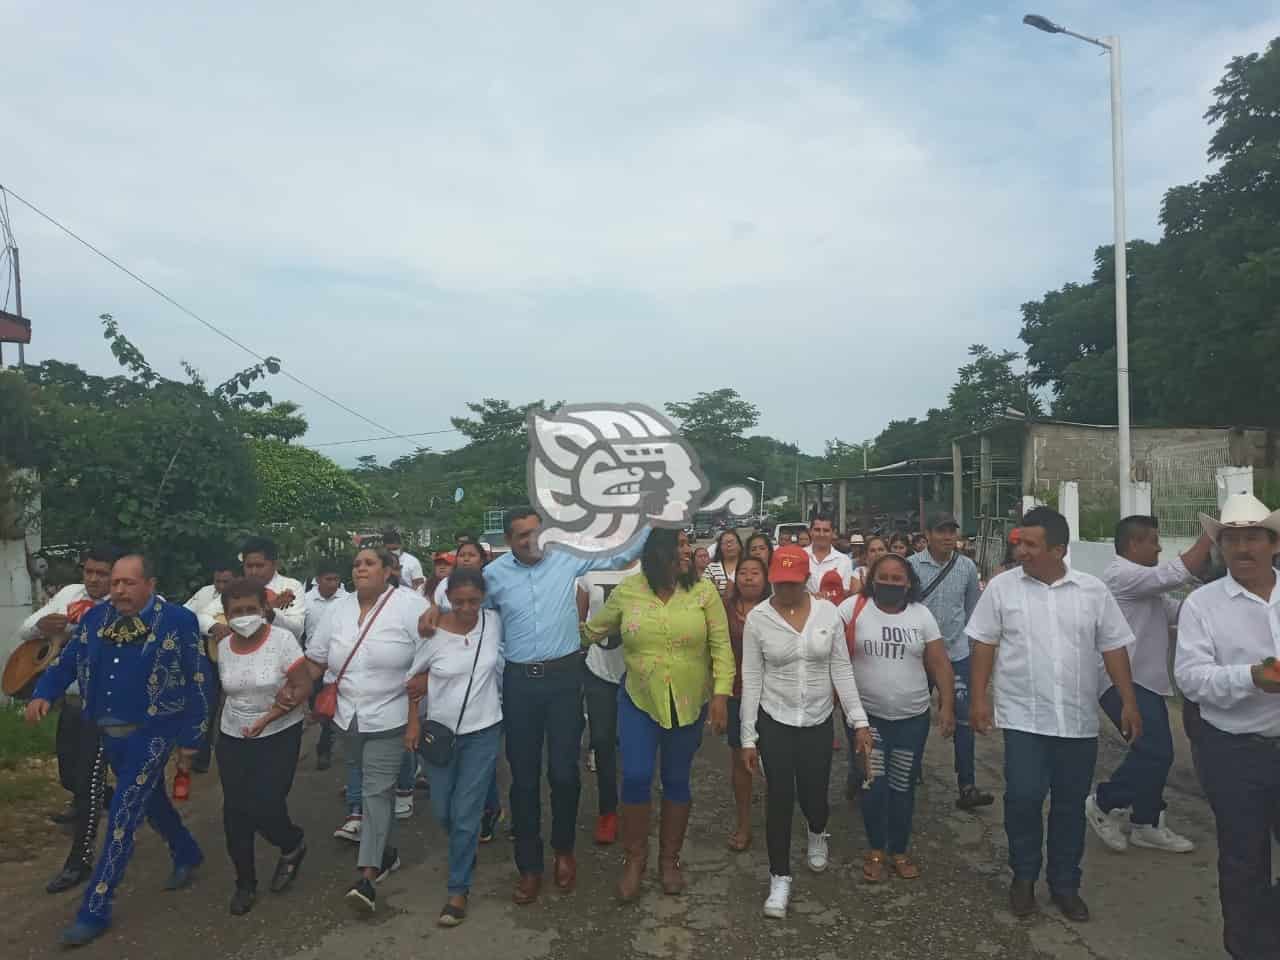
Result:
{"points": [[145, 682]]}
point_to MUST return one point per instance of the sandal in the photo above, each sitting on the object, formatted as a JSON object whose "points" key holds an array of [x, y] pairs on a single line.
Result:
{"points": [[873, 866], [287, 869], [905, 868], [451, 916], [739, 841]]}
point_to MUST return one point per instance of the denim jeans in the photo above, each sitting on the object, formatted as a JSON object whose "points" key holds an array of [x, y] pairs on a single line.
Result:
{"points": [[966, 773], [457, 799], [642, 738], [888, 807], [354, 777], [1139, 780], [1062, 768], [408, 772], [540, 714]]}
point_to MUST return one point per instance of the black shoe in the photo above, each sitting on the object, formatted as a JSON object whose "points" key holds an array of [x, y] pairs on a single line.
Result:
{"points": [[1072, 907], [324, 761], [287, 869], [71, 875], [362, 896], [971, 797], [1022, 898], [390, 864], [488, 821], [242, 901]]}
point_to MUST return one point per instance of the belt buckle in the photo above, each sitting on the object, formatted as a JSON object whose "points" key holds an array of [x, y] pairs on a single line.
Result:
{"points": [[535, 671]]}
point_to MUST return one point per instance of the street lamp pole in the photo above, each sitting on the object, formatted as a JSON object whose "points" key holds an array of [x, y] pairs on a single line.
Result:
{"points": [[1123, 429], [760, 506]]}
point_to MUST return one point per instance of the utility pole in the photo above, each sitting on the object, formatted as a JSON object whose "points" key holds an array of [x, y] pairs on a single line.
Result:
{"points": [[17, 299]]}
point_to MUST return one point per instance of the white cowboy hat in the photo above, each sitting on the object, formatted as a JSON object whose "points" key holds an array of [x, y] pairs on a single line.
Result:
{"points": [[1241, 510]]}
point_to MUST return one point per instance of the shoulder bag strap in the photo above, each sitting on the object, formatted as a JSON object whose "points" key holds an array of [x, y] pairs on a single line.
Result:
{"points": [[373, 615], [470, 680], [933, 584], [851, 630]]}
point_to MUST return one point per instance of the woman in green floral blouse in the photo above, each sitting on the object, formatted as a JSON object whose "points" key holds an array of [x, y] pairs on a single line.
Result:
{"points": [[675, 641]]}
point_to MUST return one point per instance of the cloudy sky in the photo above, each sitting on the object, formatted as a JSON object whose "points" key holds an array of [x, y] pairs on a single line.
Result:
{"points": [[819, 203]]}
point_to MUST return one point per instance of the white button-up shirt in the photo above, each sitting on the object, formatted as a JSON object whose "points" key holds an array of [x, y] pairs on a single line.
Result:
{"points": [[451, 661], [372, 690], [1140, 591], [410, 569], [1049, 637], [834, 560], [789, 675], [1223, 630], [315, 607]]}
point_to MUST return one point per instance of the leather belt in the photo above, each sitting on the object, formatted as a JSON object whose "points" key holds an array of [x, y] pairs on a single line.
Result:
{"points": [[536, 671]]}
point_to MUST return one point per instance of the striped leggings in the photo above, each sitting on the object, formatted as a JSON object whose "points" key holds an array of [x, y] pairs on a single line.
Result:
{"points": [[888, 806]]}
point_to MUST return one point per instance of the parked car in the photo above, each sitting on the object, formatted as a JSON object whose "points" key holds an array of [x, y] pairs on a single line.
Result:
{"points": [[788, 530]]}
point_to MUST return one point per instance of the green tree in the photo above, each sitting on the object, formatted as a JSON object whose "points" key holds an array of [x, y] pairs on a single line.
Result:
{"points": [[1204, 303], [717, 419], [297, 485]]}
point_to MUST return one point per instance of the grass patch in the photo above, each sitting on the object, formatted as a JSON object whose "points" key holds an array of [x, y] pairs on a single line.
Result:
{"points": [[19, 741]]}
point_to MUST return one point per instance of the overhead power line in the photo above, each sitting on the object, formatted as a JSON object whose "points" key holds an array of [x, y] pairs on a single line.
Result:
{"points": [[390, 434]]}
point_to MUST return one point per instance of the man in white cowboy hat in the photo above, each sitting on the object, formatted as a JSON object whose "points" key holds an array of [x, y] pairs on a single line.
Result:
{"points": [[1228, 633]]}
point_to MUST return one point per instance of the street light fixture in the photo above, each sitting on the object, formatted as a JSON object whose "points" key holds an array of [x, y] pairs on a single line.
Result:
{"points": [[760, 510], [1112, 46]]}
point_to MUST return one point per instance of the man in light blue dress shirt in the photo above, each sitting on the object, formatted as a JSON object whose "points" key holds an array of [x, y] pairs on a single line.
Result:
{"points": [[536, 595]]}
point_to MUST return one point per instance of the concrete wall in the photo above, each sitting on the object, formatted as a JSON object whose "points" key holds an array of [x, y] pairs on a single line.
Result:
{"points": [[15, 588], [1054, 452]]}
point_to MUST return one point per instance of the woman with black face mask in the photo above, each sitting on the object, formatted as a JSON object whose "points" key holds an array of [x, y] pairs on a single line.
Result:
{"points": [[896, 647]]}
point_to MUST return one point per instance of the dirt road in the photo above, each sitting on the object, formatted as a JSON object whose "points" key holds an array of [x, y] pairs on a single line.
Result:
{"points": [[1145, 904]]}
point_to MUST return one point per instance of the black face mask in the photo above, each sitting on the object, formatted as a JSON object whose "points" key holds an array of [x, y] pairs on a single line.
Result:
{"points": [[891, 594]]}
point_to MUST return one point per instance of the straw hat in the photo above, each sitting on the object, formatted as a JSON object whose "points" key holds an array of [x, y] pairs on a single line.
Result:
{"points": [[1242, 510]]}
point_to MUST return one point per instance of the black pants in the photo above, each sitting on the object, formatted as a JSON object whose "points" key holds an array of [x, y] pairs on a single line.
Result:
{"points": [[1242, 779], [537, 711], [257, 775], [797, 766], [89, 778], [67, 745], [602, 714]]}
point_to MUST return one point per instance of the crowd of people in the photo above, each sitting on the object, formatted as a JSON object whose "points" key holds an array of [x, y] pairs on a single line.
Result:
{"points": [[426, 680]]}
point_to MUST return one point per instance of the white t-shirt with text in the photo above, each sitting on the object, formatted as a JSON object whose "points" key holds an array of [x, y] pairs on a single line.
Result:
{"points": [[888, 658]]}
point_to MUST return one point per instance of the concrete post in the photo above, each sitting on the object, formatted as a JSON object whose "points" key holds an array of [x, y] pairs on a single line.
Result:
{"points": [[842, 499], [1069, 505], [1233, 480], [984, 474], [1141, 493]]}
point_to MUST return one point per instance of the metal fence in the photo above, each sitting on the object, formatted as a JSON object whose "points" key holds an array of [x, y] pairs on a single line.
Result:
{"points": [[1184, 484]]}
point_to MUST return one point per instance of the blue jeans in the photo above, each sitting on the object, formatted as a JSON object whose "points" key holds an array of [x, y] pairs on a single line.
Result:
{"points": [[1062, 768], [408, 772], [966, 774], [355, 776], [641, 737], [1139, 780], [888, 807], [457, 799]]}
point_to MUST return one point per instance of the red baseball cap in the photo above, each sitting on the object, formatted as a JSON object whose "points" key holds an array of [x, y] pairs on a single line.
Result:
{"points": [[832, 583], [789, 565]]}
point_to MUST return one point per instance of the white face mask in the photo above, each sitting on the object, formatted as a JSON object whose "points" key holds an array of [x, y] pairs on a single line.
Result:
{"points": [[246, 626]]}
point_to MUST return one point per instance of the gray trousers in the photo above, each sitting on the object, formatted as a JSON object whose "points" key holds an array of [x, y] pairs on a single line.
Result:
{"points": [[379, 755]]}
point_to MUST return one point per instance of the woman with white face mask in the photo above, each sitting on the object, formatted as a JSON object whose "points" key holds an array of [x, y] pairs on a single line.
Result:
{"points": [[258, 748]]}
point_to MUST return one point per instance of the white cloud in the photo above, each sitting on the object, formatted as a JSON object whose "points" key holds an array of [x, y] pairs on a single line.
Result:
{"points": [[470, 192]]}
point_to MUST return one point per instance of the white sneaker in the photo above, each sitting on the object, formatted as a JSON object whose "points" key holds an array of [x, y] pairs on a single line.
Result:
{"points": [[404, 806], [817, 851], [1159, 837], [779, 897], [1108, 826], [350, 829]]}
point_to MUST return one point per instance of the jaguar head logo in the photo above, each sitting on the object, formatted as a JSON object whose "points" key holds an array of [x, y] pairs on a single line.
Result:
{"points": [[599, 472]]}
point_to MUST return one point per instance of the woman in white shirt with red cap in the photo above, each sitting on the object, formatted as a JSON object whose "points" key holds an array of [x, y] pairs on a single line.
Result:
{"points": [[793, 654]]}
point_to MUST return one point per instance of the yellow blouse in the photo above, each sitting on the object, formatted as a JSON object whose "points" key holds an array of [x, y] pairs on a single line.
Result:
{"points": [[673, 650]]}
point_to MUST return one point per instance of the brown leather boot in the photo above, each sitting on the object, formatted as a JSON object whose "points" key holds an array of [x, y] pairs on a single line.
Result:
{"points": [[675, 821], [635, 845]]}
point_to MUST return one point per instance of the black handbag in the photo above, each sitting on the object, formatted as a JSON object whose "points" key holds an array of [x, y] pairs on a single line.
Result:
{"points": [[437, 739]]}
